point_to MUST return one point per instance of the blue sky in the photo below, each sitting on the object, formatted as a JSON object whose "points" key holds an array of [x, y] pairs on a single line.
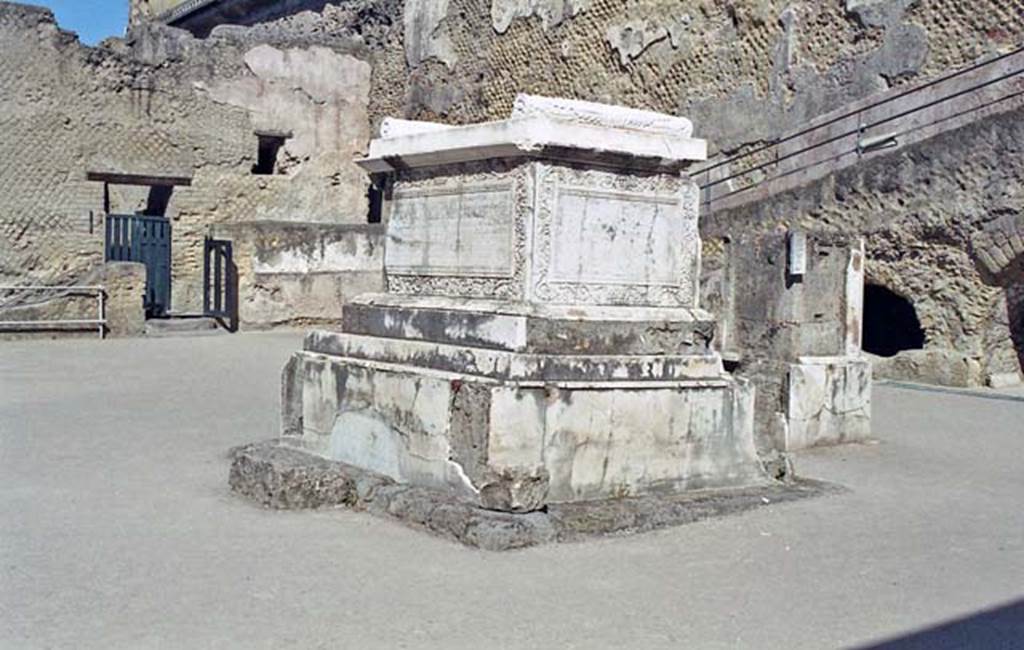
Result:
{"points": [[94, 20]]}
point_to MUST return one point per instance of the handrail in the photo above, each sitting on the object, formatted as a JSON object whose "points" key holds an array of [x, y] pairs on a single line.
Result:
{"points": [[860, 129], [100, 322], [763, 172], [52, 287], [846, 152], [875, 104], [184, 9]]}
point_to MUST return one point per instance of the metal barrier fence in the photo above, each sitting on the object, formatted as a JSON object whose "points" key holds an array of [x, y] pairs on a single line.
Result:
{"points": [[862, 130], [100, 322]]}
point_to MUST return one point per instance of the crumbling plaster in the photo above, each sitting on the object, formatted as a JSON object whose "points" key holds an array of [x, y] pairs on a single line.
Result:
{"points": [[551, 12], [768, 64], [426, 37]]}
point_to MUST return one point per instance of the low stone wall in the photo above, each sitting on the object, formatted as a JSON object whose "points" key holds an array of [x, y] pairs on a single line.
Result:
{"points": [[941, 367], [288, 274], [302, 273]]}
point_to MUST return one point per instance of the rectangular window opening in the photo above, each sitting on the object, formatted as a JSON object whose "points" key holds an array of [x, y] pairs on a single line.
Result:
{"points": [[266, 157]]}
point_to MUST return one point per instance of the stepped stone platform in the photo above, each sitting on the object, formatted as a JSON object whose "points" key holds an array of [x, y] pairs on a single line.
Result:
{"points": [[539, 342], [279, 475]]}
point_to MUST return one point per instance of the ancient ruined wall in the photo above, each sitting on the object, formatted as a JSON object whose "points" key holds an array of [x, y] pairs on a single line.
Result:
{"points": [[764, 312], [942, 226], [786, 331], [166, 103], [743, 70], [746, 72], [750, 72]]}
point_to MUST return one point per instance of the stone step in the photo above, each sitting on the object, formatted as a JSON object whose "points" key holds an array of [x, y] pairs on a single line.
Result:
{"points": [[703, 367], [183, 325]]}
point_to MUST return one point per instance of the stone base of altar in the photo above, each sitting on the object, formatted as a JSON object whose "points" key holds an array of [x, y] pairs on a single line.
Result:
{"points": [[517, 430]]}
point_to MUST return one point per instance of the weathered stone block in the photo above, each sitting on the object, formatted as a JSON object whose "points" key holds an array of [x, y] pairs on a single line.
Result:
{"points": [[285, 478], [544, 232], [125, 284], [502, 364], [516, 445], [829, 401], [515, 490], [931, 366], [1003, 380], [522, 328]]}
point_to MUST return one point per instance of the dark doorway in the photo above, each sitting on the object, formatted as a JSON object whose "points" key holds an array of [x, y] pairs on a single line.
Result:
{"points": [[375, 197], [890, 322], [156, 202]]}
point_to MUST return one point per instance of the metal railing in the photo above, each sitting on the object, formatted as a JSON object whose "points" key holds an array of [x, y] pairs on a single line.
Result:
{"points": [[100, 322], [864, 128], [184, 9]]}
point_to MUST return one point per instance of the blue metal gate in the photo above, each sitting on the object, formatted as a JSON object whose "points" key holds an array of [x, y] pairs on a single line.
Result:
{"points": [[145, 239]]}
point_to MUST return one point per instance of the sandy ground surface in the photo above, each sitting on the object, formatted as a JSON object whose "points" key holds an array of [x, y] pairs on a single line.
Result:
{"points": [[118, 531]]}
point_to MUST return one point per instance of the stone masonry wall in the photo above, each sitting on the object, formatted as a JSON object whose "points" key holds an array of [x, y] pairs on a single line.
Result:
{"points": [[933, 216], [743, 70], [746, 72], [166, 103], [942, 224], [769, 320]]}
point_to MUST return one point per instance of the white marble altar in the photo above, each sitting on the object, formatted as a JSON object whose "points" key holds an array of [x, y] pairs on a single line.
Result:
{"points": [[540, 339]]}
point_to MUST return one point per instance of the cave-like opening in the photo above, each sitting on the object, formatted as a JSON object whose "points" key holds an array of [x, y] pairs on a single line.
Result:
{"points": [[890, 322]]}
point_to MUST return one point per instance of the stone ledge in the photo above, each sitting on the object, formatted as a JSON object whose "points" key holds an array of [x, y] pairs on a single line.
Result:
{"points": [[280, 476], [536, 137], [703, 366], [531, 334]]}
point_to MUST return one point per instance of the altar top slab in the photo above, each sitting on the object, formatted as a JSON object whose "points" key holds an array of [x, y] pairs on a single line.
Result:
{"points": [[543, 127]]}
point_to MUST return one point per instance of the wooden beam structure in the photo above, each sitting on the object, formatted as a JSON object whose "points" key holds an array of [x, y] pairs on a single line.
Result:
{"points": [[118, 178]]}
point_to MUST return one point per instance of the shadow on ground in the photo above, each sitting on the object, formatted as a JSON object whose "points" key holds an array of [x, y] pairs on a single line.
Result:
{"points": [[1002, 628]]}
